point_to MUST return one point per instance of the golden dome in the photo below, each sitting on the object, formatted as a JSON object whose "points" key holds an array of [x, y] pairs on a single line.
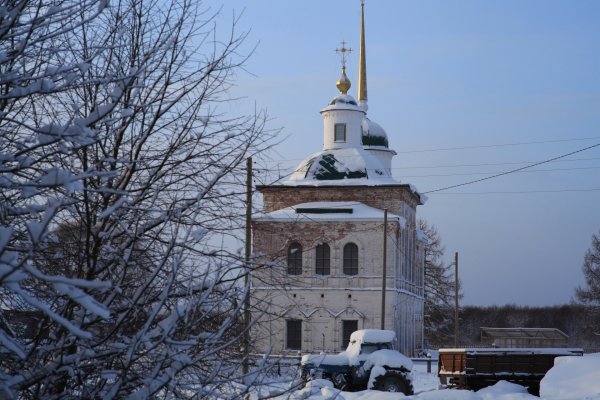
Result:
{"points": [[343, 84]]}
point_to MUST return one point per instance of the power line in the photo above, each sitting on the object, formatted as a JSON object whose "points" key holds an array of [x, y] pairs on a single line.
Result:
{"points": [[289, 170], [487, 173], [456, 174], [497, 145], [490, 164], [521, 192], [512, 171], [470, 147]]}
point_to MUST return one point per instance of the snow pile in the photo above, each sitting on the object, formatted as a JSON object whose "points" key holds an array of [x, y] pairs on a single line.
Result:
{"points": [[500, 391], [318, 389], [573, 378], [448, 394], [504, 390]]}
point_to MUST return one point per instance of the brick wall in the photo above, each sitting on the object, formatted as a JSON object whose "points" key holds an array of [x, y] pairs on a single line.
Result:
{"points": [[398, 199]]}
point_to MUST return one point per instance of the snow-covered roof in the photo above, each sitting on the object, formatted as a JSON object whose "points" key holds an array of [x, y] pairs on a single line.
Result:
{"points": [[522, 333], [349, 166], [329, 211]]}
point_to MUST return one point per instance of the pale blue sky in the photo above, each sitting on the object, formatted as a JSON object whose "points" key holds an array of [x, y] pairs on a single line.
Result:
{"points": [[454, 74]]}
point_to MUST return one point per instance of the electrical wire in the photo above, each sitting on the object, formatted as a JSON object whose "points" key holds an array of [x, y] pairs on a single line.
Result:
{"points": [[520, 192], [490, 164], [487, 173], [497, 145], [470, 147], [511, 171]]}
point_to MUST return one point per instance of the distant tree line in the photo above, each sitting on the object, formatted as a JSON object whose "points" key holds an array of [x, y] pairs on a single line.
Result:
{"points": [[580, 321], [576, 320]]}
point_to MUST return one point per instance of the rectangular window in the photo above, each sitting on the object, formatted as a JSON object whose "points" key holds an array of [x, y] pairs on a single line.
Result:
{"points": [[322, 261], [350, 265], [294, 334], [348, 326], [340, 133], [294, 259]]}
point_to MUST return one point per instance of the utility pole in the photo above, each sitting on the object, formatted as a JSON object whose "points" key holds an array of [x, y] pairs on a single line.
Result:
{"points": [[384, 268], [246, 338], [456, 299]]}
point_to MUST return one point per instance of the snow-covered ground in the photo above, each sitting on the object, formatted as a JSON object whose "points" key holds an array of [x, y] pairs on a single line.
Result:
{"points": [[571, 378]]}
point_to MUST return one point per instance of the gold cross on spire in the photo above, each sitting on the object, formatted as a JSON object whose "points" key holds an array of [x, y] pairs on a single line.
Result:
{"points": [[343, 50]]}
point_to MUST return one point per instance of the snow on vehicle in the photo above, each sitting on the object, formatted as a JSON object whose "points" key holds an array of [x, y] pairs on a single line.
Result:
{"points": [[369, 362]]}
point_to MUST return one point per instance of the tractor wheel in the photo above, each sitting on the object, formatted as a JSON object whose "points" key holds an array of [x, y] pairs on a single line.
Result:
{"points": [[340, 381], [393, 381]]}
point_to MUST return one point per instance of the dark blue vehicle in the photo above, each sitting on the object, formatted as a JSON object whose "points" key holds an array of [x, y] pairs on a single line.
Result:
{"points": [[369, 362]]}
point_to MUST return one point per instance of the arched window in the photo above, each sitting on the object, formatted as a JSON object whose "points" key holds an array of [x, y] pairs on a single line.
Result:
{"points": [[294, 259], [351, 259], [322, 259]]}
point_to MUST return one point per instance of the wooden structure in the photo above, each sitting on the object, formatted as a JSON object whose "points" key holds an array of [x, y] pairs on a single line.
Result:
{"points": [[477, 368], [523, 337]]}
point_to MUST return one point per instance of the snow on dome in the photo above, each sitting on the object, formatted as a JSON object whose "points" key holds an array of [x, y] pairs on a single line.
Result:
{"points": [[373, 135], [347, 166], [343, 99]]}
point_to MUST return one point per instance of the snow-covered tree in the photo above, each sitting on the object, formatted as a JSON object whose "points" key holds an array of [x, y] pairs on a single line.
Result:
{"points": [[439, 288], [121, 170], [590, 294]]}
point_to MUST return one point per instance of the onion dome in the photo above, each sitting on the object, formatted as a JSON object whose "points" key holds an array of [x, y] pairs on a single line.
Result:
{"points": [[343, 84], [373, 135]]}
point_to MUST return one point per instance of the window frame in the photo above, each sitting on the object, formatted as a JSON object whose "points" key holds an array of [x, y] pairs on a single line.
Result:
{"points": [[323, 259], [293, 334], [343, 132], [294, 259], [350, 259]]}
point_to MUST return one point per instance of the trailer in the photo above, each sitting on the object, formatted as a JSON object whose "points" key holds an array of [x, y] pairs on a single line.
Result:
{"points": [[476, 368]]}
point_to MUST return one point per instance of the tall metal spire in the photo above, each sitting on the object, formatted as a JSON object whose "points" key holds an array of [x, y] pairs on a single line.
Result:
{"points": [[362, 67]]}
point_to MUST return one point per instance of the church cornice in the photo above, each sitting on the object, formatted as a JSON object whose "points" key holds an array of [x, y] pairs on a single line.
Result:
{"points": [[420, 199]]}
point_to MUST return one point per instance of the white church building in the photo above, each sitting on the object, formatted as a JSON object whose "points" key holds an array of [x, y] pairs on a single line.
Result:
{"points": [[321, 239]]}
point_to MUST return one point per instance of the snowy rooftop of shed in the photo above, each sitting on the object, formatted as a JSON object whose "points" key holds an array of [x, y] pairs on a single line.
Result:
{"points": [[329, 211], [523, 333]]}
